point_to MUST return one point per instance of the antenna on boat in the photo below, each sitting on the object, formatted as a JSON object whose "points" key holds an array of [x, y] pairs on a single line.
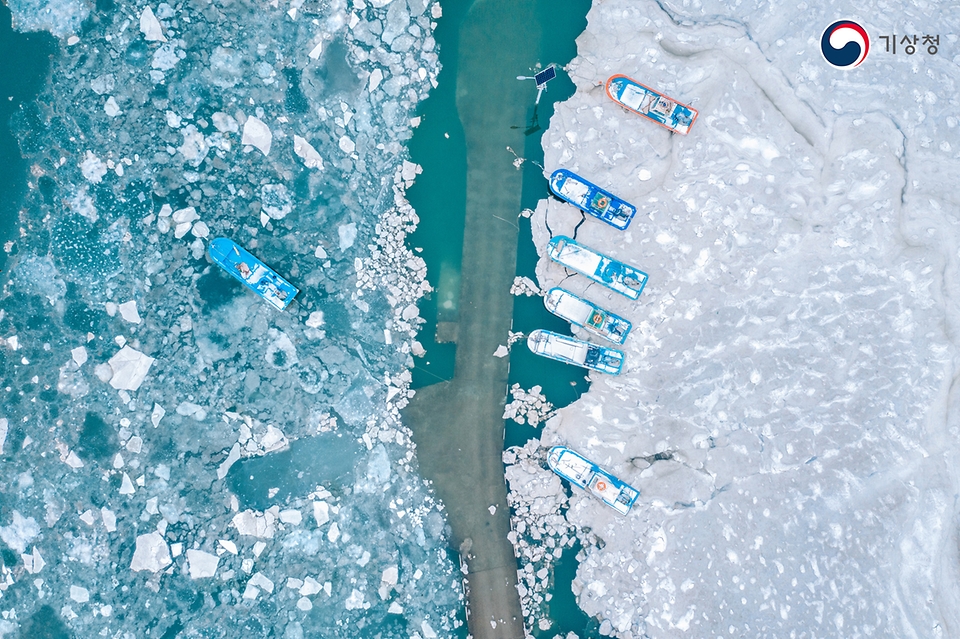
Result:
{"points": [[541, 79]]}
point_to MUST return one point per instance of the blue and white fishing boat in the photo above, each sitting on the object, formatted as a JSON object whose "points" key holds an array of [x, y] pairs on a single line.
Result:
{"points": [[575, 351], [583, 473], [590, 198], [616, 276], [586, 315], [252, 273], [644, 101]]}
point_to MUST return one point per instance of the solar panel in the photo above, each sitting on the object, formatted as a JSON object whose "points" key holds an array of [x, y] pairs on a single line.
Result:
{"points": [[545, 76]]}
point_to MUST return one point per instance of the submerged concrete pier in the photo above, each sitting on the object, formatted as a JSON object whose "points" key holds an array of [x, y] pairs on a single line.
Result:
{"points": [[458, 425]]}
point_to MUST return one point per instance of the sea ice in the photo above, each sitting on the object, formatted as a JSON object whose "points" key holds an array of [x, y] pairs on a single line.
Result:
{"points": [[151, 553], [150, 26], [129, 367], [257, 134], [201, 564]]}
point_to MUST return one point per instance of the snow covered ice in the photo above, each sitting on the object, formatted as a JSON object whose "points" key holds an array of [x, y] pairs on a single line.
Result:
{"points": [[139, 381], [786, 407]]}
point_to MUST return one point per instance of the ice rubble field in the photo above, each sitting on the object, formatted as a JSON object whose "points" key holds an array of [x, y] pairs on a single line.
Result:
{"points": [[141, 386], [786, 407]]}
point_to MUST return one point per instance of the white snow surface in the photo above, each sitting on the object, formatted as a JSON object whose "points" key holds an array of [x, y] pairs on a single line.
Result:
{"points": [[795, 347]]}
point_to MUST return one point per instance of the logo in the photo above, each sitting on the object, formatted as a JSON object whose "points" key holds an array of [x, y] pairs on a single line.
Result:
{"points": [[844, 44]]}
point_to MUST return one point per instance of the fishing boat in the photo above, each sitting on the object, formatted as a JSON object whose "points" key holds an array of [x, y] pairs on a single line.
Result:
{"points": [[590, 198], [575, 351], [615, 275], [583, 473], [252, 273], [644, 101], [586, 315]]}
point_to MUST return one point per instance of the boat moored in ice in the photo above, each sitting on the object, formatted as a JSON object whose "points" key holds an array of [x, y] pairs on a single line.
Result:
{"points": [[252, 273], [590, 198], [586, 315], [574, 351], [615, 275], [644, 101], [583, 473]]}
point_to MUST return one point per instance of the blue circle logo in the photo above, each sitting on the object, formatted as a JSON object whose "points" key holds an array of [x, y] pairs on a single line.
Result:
{"points": [[844, 44]]}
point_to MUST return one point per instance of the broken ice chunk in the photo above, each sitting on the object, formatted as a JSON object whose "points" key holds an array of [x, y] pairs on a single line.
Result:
{"points": [[310, 587], [109, 519], [292, 517], [348, 235], [231, 459], [128, 311], [252, 523], [189, 409], [126, 486], [315, 320], [79, 355], [334, 533], [501, 351], [33, 563], [256, 133], [151, 553], [375, 79], [276, 201], [111, 108], [261, 581], [316, 51], [202, 564], [129, 368], [395, 608], [20, 532], [79, 594], [200, 229], [228, 545], [321, 512], [150, 26], [3, 432], [311, 158], [304, 604], [346, 145], [157, 414], [87, 517]]}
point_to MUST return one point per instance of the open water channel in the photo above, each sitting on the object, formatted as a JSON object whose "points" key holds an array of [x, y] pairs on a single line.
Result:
{"points": [[440, 198]]}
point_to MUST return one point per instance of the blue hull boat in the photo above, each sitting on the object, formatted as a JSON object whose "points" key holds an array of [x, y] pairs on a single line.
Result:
{"points": [[590, 198], [616, 276], [583, 473], [252, 273], [644, 101], [571, 350], [587, 315]]}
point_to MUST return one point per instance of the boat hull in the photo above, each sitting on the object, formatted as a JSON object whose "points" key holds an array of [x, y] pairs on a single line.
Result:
{"points": [[591, 199], [571, 350], [592, 479], [252, 273], [643, 100], [587, 315], [613, 274]]}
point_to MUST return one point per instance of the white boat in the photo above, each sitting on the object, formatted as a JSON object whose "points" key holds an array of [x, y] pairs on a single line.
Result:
{"points": [[613, 274], [597, 482], [571, 350], [586, 315]]}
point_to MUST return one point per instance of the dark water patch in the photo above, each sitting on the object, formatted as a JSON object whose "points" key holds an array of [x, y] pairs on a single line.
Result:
{"points": [[25, 68], [217, 289], [98, 439], [294, 99], [563, 609], [328, 459], [44, 624], [440, 198]]}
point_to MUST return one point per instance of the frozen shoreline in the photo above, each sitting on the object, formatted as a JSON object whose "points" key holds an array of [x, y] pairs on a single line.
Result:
{"points": [[785, 406]]}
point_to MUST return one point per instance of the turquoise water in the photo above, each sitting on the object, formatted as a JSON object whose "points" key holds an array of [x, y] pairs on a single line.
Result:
{"points": [[26, 63], [439, 198]]}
